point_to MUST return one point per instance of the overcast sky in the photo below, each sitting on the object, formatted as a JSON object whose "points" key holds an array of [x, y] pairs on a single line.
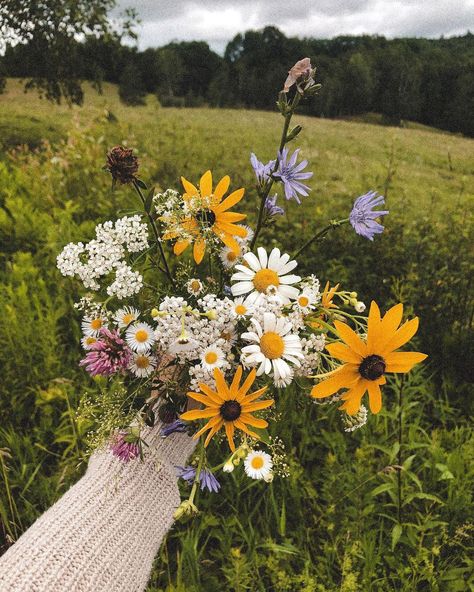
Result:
{"points": [[217, 21]]}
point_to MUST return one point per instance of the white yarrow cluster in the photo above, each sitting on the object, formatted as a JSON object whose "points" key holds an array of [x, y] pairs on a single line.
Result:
{"points": [[104, 254]]}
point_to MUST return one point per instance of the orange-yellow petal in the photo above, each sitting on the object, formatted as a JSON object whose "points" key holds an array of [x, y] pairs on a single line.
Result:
{"points": [[205, 400], [344, 353], [229, 430], [189, 187], [199, 413], [404, 334], [230, 228], [221, 384], [373, 328], [351, 338], [205, 184], [211, 394], [403, 361], [250, 407], [231, 200], [375, 396], [353, 397], [180, 246], [199, 250], [214, 429], [229, 241], [241, 425], [244, 400], [247, 383], [255, 422], [343, 377], [231, 217], [221, 187], [234, 387]]}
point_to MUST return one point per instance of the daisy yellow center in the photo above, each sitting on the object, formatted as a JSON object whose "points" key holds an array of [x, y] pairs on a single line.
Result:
{"points": [[240, 309], [91, 340], [141, 335], [127, 318], [211, 357], [272, 345], [142, 362], [304, 300], [195, 286], [231, 256], [257, 462], [96, 324], [265, 278]]}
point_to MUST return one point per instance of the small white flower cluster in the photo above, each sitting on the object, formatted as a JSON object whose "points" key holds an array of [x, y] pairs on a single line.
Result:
{"points": [[311, 346], [354, 422], [106, 253], [166, 203]]}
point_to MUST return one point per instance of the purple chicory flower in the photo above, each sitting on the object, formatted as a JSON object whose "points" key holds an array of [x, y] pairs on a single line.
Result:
{"points": [[206, 478], [262, 171], [363, 216], [177, 426], [271, 207], [290, 174], [125, 451], [108, 355]]}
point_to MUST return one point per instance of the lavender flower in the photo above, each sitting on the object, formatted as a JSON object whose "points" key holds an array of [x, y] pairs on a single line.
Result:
{"points": [[108, 355], [175, 427], [206, 478], [125, 451], [363, 216], [290, 174], [271, 207], [262, 171]]}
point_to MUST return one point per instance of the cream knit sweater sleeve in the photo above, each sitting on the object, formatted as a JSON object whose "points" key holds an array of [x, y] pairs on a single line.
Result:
{"points": [[104, 533]]}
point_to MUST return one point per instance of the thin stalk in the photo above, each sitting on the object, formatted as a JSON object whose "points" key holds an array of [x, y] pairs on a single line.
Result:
{"points": [[155, 232], [400, 443], [320, 235], [198, 473], [266, 190]]}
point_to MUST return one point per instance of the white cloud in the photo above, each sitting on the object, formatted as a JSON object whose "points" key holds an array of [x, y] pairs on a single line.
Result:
{"points": [[218, 21]]}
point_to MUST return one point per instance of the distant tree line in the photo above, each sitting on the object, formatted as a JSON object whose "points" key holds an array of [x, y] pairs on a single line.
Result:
{"points": [[430, 81]]}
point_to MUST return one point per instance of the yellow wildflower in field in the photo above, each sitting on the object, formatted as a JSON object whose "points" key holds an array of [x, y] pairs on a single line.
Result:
{"points": [[367, 362]]}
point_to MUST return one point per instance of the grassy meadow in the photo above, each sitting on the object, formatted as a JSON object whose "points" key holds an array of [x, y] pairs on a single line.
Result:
{"points": [[388, 507]]}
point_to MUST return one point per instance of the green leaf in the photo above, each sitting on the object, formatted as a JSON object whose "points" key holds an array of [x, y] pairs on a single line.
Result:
{"points": [[141, 184], [149, 200], [396, 534], [262, 434], [382, 488]]}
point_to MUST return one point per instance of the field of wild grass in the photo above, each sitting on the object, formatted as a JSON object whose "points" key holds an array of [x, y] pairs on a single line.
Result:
{"points": [[389, 507]]}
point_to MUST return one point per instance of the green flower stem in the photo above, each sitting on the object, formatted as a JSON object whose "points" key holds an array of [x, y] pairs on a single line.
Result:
{"points": [[266, 190], [198, 473], [156, 233], [320, 235], [400, 442]]}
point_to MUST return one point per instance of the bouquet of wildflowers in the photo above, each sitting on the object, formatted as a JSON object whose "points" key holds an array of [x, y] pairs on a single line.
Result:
{"points": [[193, 322]]}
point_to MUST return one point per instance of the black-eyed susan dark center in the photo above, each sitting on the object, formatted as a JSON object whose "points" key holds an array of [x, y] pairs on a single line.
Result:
{"points": [[205, 217], [372, 367], [230, 410]]}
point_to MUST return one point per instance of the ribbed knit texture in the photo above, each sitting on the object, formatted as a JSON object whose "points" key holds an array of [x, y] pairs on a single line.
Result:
{"points": [[104, 533]]}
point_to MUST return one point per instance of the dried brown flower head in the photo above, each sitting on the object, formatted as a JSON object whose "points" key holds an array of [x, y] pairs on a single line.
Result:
{"points": [[122, 164]]}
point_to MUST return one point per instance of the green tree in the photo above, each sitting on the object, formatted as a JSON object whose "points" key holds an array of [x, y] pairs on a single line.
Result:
{"points": [[131, 88], [50, 28]]}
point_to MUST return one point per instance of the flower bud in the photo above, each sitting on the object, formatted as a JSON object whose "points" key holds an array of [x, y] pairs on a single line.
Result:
{"points": [[268, 478], [154, 312], [211, 315], [241, 453], [353, 302], [236, 460], [228, 467], [359, 306]]}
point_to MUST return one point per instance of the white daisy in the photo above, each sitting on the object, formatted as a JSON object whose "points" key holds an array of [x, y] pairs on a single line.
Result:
{"points": [[126, 315], [212, 357], [258, 464], [140, 337], [264, 271], [143, 365], [248, 237], [306, 300], [230, 258], [182, 344], [273, 347], [92, 325], [194, 286], [244, 307], [88, 341]]}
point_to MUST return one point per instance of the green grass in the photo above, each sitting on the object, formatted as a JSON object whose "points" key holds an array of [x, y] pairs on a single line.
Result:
{"points": [[338, 523]]}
